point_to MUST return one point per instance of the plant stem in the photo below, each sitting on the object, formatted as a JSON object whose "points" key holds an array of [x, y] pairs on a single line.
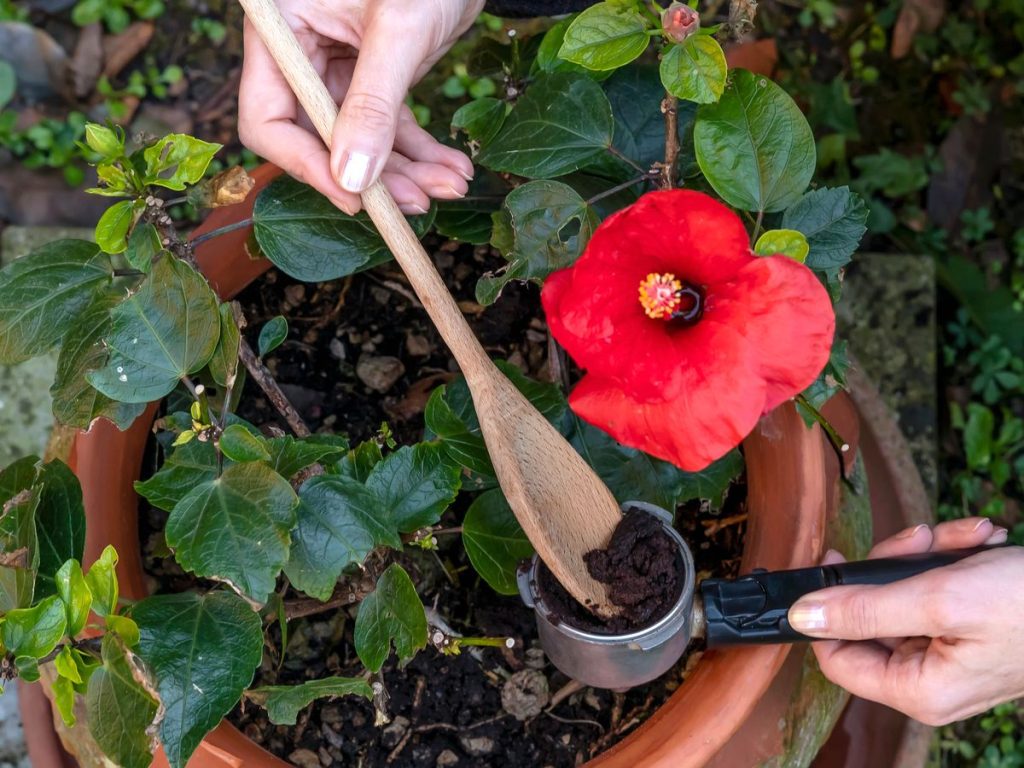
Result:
{"points": [[834, 437], [272, 389], [757, 228], [618, 188], [127, 273], [90, 645], [669, 109], [487, 642], [629, 161], [221, 231]]}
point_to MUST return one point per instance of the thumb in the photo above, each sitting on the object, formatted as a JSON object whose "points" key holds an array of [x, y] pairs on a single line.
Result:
{"points": [[909, 608], [365, 130]]}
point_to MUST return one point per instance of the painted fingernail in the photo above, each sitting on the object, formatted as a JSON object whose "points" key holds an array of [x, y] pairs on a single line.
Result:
{"points": [[808, 617], [998, 536], [981, 524], [910, 533], [355, 176]]}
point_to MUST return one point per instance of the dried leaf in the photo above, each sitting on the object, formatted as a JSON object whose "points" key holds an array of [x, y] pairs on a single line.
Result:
{"points": [[915, 16], [228, 187]]}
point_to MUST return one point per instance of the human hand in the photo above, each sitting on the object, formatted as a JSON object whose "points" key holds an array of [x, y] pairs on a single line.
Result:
{"points": [[369, 52], [940, 646]]}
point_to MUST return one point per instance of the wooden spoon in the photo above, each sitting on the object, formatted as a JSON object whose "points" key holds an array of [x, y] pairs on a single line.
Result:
{"points": [[561, 504]]}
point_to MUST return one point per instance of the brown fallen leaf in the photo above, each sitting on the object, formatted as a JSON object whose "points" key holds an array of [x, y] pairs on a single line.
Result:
{"points": [[120, 49], [915, 16], [415, 400], [87, 60]]}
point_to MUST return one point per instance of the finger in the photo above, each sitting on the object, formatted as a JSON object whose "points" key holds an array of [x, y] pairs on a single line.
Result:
{"points": [[418, 145], [435, 180], [364, 132], [906, 608], [907, 542], [960, 534], [410, 198], [267, 111]]}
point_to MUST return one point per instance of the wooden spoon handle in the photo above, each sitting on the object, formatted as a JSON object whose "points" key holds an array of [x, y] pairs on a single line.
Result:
{"points": [[314, 97]]}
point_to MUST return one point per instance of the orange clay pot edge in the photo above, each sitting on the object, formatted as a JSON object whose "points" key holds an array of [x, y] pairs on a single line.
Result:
{"points": [[785, 467]]}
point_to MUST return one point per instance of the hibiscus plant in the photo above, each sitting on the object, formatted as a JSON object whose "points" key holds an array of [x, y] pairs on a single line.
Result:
{"points": [[662, 202]]}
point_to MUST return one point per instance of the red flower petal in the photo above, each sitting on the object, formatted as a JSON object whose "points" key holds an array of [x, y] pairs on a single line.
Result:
{"points": [[785, 314], [717, 408]]}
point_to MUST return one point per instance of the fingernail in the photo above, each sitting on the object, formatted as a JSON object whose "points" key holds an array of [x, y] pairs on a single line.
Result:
{"points": [[912, 532], [998, 536], [466, 176], [355, 176], [454, 191], [808, 617], [832, 557], [413, 209], [981, 524]]}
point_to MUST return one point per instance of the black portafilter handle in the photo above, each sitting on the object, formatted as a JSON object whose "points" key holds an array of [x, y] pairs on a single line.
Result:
{"points": [[753, 609]]}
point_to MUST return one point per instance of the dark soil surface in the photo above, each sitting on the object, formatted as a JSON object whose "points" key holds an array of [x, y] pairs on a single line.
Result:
{"points": [[461, 710]]}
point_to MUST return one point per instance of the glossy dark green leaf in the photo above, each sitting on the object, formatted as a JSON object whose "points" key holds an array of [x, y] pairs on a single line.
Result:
{"points": [[188, 467], [272, 334], [284, 702], [224, 363], [713, 481], [754, 146], [462, 443], [480, 119], [289, 455], [76, 403], [34, 631], [167, 330], [60, 524], [695, 70], [239, 444], [120, 709], [562, 121], [18, 476], [43, 294], [494, 541], [415, 485], [19, 543], [605, 36], [144, 244], [829, 382], [469, 219], [833, 221], [340, 521], [236, 528], [178, 160], [360, 461], [203, 651], [392, 613], [543, 226], [305, 235]]}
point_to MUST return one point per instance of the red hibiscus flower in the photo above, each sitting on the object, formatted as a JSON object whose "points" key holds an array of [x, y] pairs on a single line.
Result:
{"points": [[686, 336]]}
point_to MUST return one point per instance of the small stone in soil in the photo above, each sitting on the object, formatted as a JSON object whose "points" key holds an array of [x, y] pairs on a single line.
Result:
{"points": [[305, 758], [446, 759], [379, 373], [393, 733], [525, 694], [477, 746]]}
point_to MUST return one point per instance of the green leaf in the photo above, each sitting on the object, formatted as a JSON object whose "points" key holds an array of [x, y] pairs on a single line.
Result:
{"points": [[833, 221], [125, 627], [480, 119], [340, 521], [391, 613], [60, 524], [494, 541], [74, 592], [43, 294], [65, 665], [104, 141], [19, 544], [102, 581], [236, 528], [203, 651], [224, 363], [713, 481], [144, 245], [543, 226], [978, 436], [239, 444], [64, 699], [289, 455], [830, 381], [34, 631], [415, 485], [8, 83], [28, 668], [284, 702], [360, 461], [605, 36], [167, 330], [754, 146], [462, 442], [305, 235], [548, 59], [787, 242], [695, 70], [120, 709], [88, 12], [18, 477], [272, 334], [178, 160], [188, 467], [76, 403], [113, 226], [562, 121]]}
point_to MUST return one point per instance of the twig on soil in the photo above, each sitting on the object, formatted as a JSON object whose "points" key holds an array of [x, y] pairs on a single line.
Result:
{"points": [[573, 720], [563, 693], [272, 389], [711, 527]]}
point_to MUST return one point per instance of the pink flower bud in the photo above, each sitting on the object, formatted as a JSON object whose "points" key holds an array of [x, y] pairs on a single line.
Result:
{"points": [[680, 21]]}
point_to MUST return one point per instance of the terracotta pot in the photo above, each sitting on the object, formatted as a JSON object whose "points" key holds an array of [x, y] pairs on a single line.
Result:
{"points": [[793, 492]]}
